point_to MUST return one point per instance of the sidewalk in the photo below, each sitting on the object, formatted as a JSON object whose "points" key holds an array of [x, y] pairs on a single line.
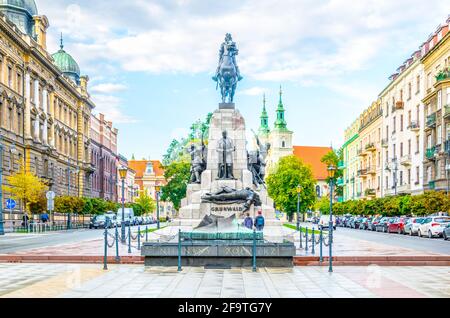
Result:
{"points": [[132, 281]]}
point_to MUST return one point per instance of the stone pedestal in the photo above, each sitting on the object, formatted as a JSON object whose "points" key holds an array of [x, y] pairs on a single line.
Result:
{"points": [[192, 209]]}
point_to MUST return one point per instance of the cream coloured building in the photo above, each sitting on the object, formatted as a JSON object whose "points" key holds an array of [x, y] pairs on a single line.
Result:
{"points": [[350, 164], [402, 129], [369, 152]]}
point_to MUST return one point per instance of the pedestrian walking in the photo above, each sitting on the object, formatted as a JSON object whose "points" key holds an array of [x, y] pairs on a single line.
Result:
{"points": [[248, 221], [259, 222], [25, 220]]}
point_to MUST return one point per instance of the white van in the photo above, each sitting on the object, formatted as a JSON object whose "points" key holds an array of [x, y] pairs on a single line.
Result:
{"points": [[324, 222], [129, 216]]}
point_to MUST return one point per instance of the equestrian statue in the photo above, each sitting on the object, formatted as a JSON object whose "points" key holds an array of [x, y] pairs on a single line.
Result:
{"points": [[227, 74]]}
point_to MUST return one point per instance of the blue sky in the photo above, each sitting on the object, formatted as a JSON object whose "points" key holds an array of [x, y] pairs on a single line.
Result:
{"points": [[151, 62]]}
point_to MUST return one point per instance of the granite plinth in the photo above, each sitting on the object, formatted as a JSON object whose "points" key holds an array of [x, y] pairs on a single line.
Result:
{"points": [[219, 253], [227, 106]]}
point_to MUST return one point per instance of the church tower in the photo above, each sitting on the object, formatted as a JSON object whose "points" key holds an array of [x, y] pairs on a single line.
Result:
{"points": [[264, 130], [280, 137]]}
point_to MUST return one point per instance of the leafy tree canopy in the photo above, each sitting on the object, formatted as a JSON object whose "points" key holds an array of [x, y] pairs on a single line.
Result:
{"points": [[283, 181], [178, 175]]}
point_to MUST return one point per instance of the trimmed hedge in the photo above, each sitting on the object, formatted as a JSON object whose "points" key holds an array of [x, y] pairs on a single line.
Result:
{"points": [[424, 204]]}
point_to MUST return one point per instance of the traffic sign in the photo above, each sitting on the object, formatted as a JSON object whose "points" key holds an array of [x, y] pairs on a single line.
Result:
{"points": [[10, 204], [50, 195]]}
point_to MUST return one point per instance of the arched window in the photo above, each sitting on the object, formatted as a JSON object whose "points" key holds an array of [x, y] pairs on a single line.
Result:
{"points": [[283, 144], [318, 191]]}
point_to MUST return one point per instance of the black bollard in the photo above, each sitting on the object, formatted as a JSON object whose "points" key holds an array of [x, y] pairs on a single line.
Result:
{"points": [[105, 258], [306, 244], [321, 242], [313, 249], [179, 250], [117, 245]]}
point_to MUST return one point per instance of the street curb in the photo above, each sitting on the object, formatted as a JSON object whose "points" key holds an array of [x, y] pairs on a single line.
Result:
{"points": [[75, 259], [419, 260], [298, 260]]}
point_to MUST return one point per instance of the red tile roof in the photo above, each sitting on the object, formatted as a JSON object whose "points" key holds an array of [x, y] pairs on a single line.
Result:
{"points": [[312, 156], [140, 166]]}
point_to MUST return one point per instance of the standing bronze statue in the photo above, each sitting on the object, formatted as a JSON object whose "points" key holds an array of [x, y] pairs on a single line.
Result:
{"points": [[198, 162], [225, 150]]}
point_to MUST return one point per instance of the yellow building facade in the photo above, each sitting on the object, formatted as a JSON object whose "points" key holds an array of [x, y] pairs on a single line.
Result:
{"points": [[369, 152], [436, 102], [45, 107]]}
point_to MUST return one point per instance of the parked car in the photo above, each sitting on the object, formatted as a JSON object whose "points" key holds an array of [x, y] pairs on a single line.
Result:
{"points": [[397, 225], [382, 225], [364, 225], [112, 217], [412, 226], [129, 216], [324, 222], [446, 232], [100, 222], [433, 226]]}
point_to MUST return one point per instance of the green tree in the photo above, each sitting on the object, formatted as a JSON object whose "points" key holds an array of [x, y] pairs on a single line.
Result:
{"points": [[323, 205], [333, 158], [146, 203], [178, 175], [25, 187], [39, 206], [282, 185]]}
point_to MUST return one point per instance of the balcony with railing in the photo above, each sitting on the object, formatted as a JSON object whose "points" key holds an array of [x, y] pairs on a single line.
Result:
{"points": [[414, 126], [431, 120], [447, 147], [399, 105], [340, 182], [362, 173], [370, 192], [370, 147], [446, 111], [361, 153], [341, 165], [443, 74], [372, 170], [405, 160], [404, 188], [431, 153]]}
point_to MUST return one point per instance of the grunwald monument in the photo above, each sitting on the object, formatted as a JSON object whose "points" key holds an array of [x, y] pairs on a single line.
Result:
{"points": [[226, 183]]}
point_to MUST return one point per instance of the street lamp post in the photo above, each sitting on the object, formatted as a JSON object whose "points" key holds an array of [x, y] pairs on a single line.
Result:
{"points": [[331, 173], [299, 190], [2, 230], [123, 174], [157, 207]]}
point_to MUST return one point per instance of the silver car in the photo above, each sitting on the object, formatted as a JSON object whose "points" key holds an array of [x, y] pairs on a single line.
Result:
{"points": [[446, 232], [412, 226]]}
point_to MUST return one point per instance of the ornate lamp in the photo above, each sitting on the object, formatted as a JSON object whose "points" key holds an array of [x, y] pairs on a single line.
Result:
{"points": [[123, 172], [331, 171]]}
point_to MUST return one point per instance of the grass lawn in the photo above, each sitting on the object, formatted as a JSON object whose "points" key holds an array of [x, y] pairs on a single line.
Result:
{"points": [[303, 229], [152, 230]]}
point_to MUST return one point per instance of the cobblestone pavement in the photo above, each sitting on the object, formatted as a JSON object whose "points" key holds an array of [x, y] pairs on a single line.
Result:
{"points": [[122, 281]]}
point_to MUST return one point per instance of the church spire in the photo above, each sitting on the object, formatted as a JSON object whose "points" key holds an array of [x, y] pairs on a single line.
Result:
{"points": [[61, 42], [264, 127], [280, 123]]}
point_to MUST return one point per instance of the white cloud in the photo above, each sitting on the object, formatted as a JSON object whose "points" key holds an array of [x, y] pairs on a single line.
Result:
{"points": [[111, 107], [254, 91], [108, 88], [293, 40]]}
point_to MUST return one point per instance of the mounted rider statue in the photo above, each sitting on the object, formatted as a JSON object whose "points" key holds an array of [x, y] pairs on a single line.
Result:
{"points": [[227, 74]]}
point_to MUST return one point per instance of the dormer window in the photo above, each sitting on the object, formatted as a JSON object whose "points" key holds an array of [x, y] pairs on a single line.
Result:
{"points": [[149, 168]]}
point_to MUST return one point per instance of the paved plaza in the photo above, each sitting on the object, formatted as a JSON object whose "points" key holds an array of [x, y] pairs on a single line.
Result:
{"points": [[133, 281]]}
